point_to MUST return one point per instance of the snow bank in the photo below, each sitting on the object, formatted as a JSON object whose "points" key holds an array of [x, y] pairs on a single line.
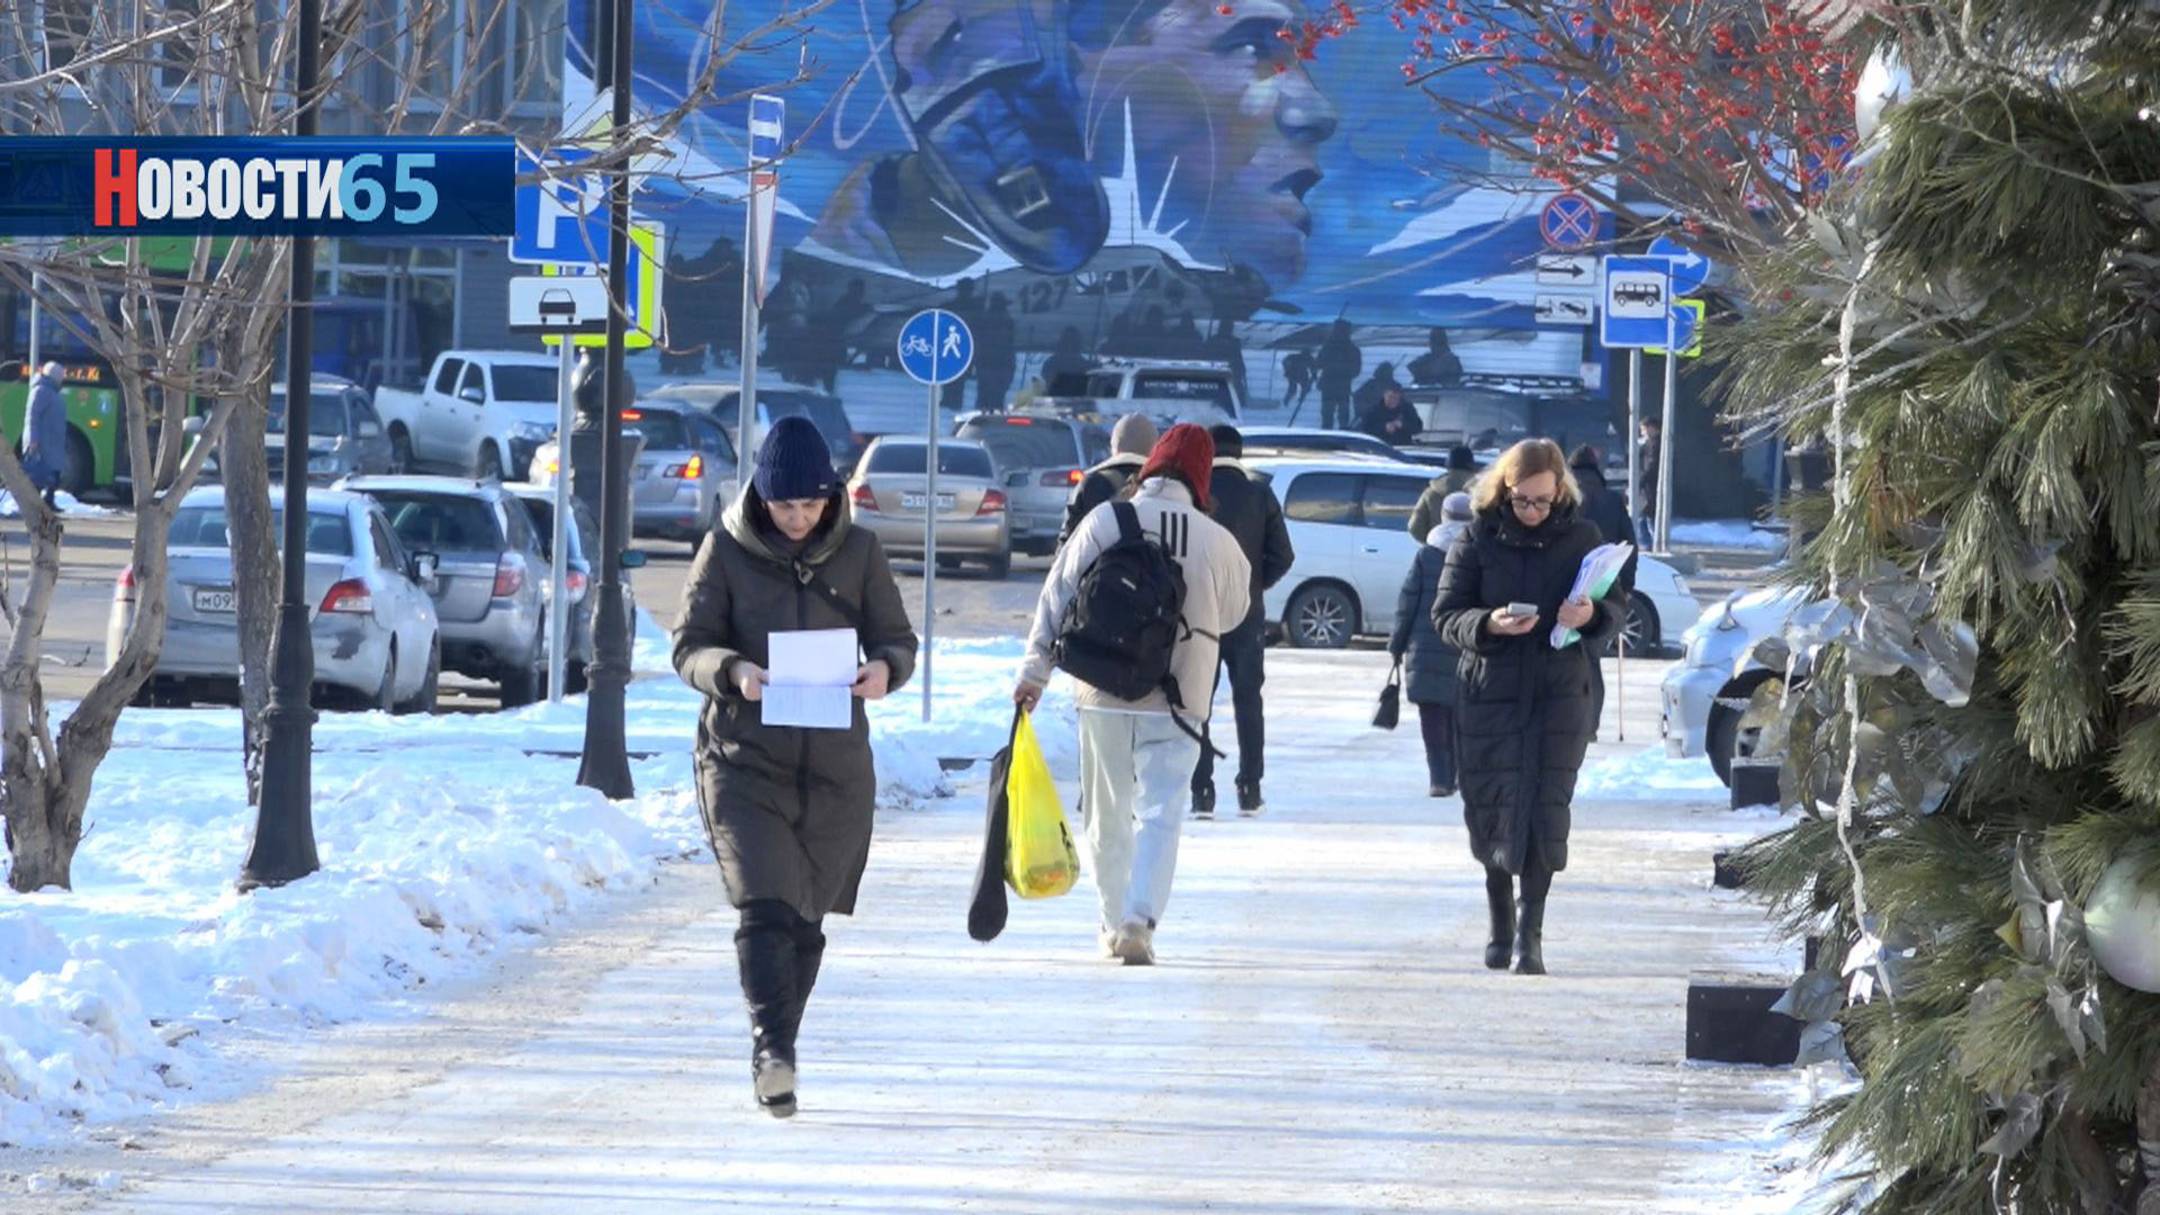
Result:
{"points": [[1727, 533], [441, 839], [68, 503], [1648, 775]]}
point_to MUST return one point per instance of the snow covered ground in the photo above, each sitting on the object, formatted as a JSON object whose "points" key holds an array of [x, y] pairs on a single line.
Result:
{"points": [[68, 503], [1728, 533], [1320, 1036]]}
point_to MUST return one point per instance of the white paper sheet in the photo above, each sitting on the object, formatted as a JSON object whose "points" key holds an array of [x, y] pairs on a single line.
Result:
{"points": [[810, 673], [1599, 565]]}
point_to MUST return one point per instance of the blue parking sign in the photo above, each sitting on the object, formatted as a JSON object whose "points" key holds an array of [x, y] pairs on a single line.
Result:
{"points": [[936, 346]]}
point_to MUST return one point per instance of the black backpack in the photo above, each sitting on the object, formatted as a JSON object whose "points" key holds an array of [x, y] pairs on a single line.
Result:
{"points": [[1123, 625]]}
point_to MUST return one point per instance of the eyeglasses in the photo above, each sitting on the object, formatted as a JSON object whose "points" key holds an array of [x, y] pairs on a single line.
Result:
{"points": [[1523, 502]]}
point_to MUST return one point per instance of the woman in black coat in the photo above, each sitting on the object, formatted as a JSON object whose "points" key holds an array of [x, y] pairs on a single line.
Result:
{"points": [[1429, 664], [1526, 710]]}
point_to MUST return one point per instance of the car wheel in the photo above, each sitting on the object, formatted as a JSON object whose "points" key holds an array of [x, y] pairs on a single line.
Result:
{"points": [[385, 698], [423, 701], [401, 454], [1641, 634], [78, 468], [1000, 567], [488, 467], [529, 682], [1321, 617]]}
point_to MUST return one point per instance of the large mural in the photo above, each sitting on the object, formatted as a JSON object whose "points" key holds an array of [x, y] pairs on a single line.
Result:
{"points": [[1142, 178]]}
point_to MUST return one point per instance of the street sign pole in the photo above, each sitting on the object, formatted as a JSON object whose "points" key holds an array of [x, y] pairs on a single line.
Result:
{"points": [[746, 383], [605, 764], [1634, 447], [929, 561], [1664, 464], [559, 576], [935, 348]]}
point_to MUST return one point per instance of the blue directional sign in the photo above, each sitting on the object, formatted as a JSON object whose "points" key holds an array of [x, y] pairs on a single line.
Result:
{"points": [[564, 219], [768, 115], [1638, 301], [1690, 270], [936, 347]]}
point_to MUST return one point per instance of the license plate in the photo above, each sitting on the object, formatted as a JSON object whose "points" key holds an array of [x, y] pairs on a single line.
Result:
{"points": [[213, 601], [915, 501]]}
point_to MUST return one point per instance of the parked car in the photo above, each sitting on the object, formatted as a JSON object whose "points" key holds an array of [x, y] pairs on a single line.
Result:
{"points": [[684, 477], [376, 637], [492, 576], [1042, 457], [1713, 699], [1167, 390], [482, 412], [1349, 521], [721, 401], [1313, 441], [345, 435], [889, 493], [583, 539]]}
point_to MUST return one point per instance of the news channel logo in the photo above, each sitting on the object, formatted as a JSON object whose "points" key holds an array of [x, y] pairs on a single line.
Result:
{"points": [[257, 186]]}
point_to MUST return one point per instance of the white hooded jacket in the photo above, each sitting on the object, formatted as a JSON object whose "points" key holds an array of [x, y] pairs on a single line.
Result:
{"points": [[1217, 594]]}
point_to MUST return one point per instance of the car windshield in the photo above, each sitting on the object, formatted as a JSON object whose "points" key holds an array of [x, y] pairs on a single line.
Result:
{"points": [[326, 414], [663, 430], [515, 383], [953, 459], [442, 523], [1030, 443], [823, 412], [207, 526]]}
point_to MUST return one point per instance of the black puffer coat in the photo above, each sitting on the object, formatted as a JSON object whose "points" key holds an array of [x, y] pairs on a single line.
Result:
{"points": [[1526, 712], [787, 810], [1430, 665]]}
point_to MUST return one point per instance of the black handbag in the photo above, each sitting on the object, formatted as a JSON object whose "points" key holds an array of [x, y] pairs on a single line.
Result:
{"points": [[1389, 714]]}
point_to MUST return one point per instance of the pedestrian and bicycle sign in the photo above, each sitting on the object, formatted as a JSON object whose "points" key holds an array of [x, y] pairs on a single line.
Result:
{"points": [[1569, 221], [936, 346]]}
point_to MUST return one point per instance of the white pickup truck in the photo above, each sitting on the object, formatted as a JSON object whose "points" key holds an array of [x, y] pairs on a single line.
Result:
{"points": [[1168, 390], [482, 412]]}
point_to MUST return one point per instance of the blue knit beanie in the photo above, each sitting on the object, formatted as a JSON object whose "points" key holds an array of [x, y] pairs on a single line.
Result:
{"points": [[794, 462]]}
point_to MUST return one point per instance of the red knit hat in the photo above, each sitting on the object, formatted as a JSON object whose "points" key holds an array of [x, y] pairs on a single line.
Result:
{"points": [[1189, 451]]}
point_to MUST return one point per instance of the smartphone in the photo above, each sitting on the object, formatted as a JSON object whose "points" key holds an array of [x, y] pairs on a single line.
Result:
{"points": [[1522, 611]]}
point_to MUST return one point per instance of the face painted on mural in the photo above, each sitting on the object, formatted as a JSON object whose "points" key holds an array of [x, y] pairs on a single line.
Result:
{"points": [[1225, 115]]}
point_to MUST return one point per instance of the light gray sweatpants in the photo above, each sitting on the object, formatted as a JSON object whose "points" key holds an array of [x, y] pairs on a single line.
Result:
{"points": [[1135, 782]]}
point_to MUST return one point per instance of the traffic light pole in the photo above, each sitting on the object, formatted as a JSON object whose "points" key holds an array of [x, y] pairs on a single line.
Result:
{"points": [[283, 849], [606, 762]]}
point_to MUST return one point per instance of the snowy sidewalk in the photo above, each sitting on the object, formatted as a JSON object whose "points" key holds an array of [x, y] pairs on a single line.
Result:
{"points": [[1321, 1035]]}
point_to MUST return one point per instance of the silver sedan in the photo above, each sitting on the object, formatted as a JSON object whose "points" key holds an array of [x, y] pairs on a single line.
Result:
{"points": [[377, 643]]}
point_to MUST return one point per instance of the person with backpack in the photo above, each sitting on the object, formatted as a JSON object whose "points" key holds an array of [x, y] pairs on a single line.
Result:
{"points": [[1134, 610], [787, 809], [1462, 472], [1130, 441], [1248, 510]]}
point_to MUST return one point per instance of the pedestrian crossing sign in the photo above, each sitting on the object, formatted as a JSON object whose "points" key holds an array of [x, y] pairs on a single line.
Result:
{"points": [[648, 261], [1693, 350]]}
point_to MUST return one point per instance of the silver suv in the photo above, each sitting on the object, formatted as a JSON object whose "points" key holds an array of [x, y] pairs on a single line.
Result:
{"points": [[491, 579], [1041, 458]]}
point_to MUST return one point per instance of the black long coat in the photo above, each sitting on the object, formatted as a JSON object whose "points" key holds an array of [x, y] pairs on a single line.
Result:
{"points": [[1430, 665], [788, 811], [1526, 712]]}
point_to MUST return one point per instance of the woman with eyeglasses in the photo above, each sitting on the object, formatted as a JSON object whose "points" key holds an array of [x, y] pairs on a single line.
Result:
{"points": [[1525, 711]]}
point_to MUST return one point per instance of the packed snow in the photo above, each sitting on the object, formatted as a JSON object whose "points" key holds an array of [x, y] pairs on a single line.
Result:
{"points": [[442, 840], [1648, 775], [68, 504], [1728, 533]]}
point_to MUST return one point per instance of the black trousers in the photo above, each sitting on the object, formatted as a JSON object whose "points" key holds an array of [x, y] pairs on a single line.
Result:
{"points": [[1437, 723], [1244, 655], [1335, 410], [778, 952]]}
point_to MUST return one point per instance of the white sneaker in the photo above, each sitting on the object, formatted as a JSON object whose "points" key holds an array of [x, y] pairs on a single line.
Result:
{"points": [[1134, 944], [1106, 938]]}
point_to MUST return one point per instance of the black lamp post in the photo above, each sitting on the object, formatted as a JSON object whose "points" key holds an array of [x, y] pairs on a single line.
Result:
{"points": [[606, 762], [284, 846]]}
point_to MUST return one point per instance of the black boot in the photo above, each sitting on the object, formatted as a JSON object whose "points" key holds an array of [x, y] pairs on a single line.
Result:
{"points": [[1530, 937], [809, 953], [1499, 900], [765, 951]]}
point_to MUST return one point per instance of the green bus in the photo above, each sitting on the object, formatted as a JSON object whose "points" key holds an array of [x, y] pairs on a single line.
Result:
{"points": [[97, 441]]}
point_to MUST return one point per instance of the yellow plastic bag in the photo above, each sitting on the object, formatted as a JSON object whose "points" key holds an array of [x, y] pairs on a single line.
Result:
{"points": [[1040, 860]]}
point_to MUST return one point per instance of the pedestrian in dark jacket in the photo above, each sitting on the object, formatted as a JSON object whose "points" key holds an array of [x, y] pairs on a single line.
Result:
{"points": [[787, 809], [1130, 442], [1600, 505], [1462, 473], [1653, 454], [44, 447], [1392, 421], [1429, 663], [1525, 713], [1338, 362], [1246, 507]]}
